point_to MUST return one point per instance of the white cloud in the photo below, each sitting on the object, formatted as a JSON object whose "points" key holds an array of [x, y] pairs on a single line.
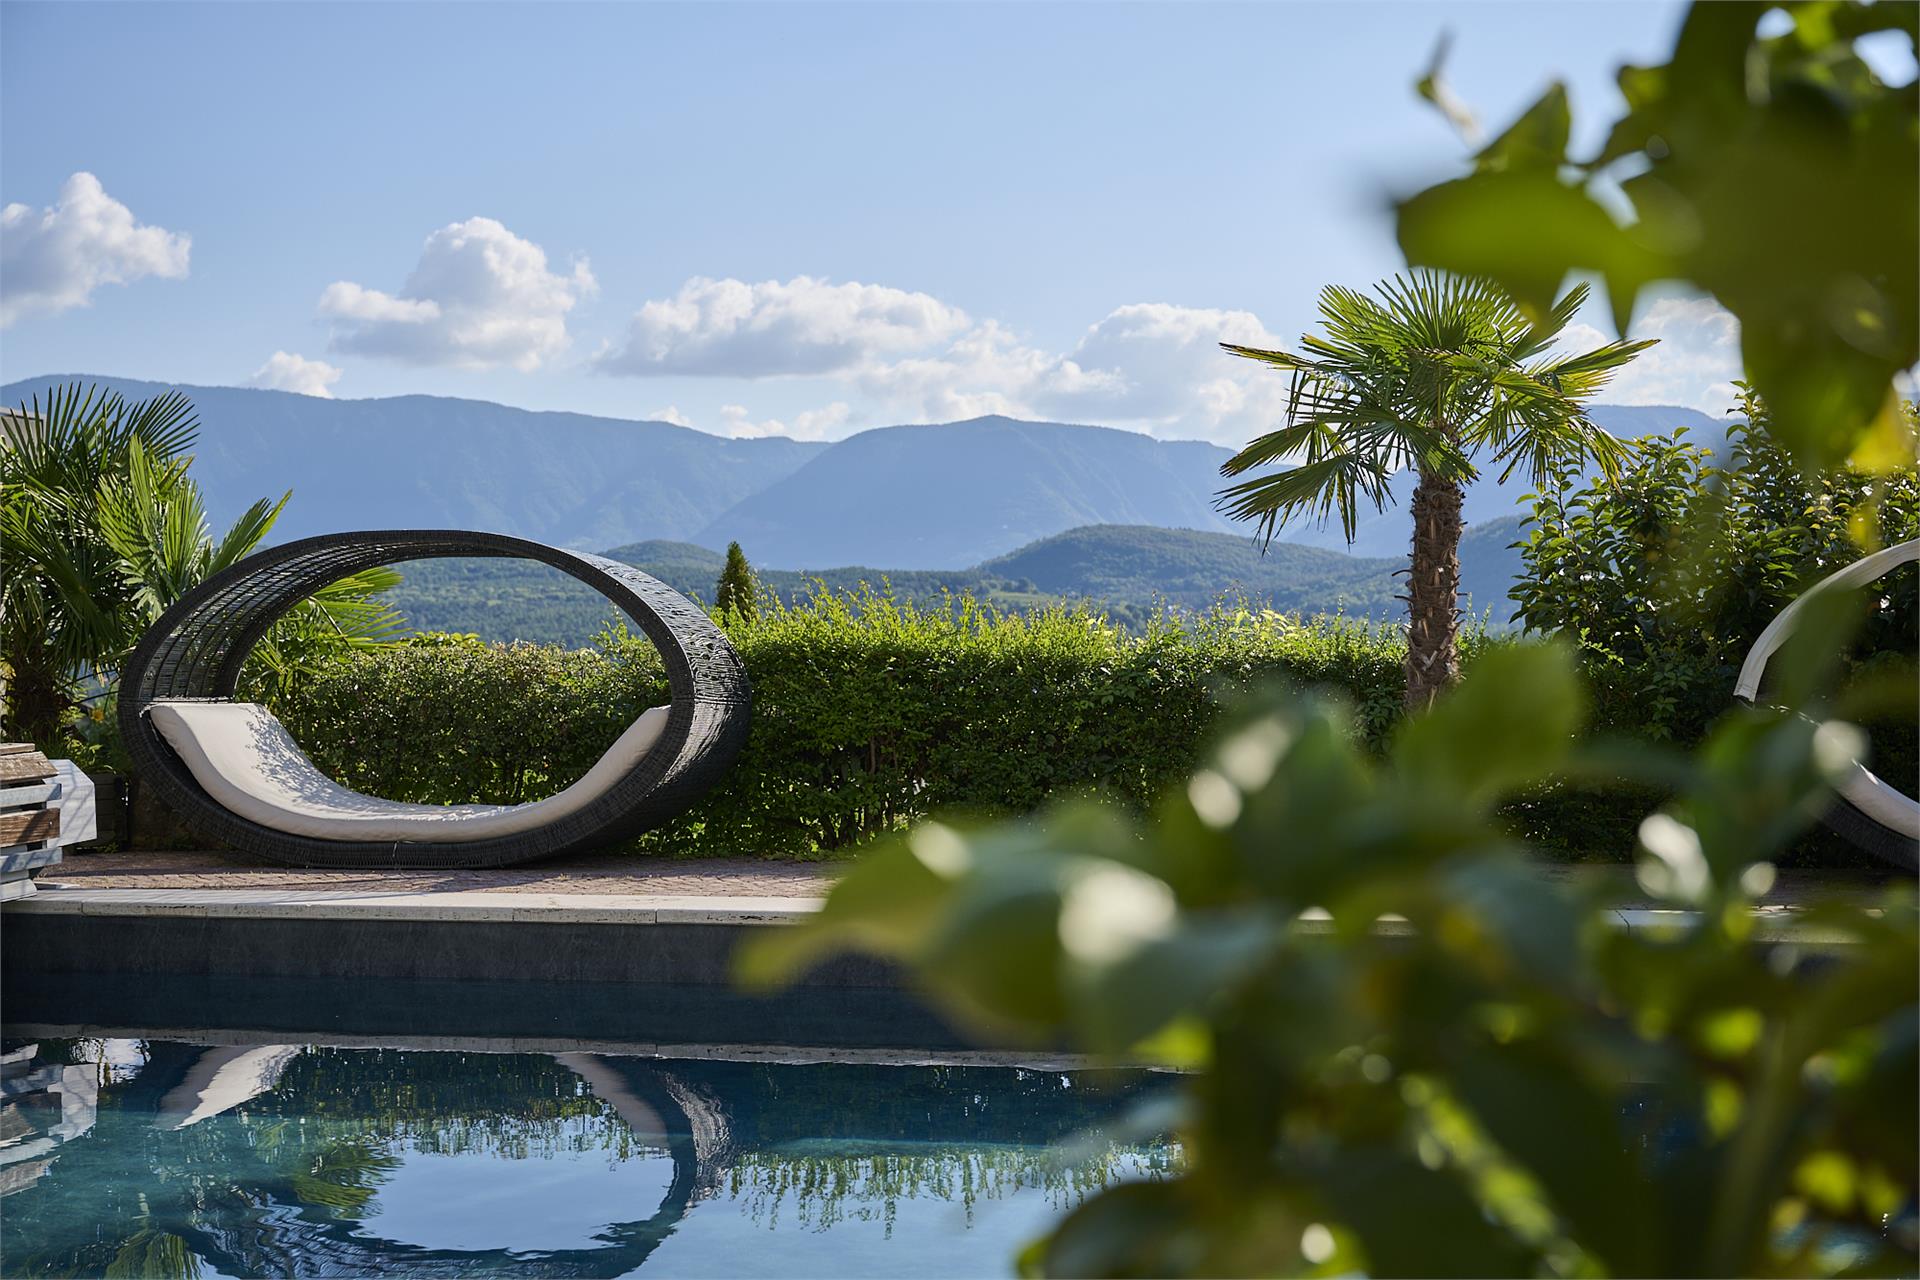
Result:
{"points": [[1153, 367], [480, 297], [987, 370], [1695, 364], [729, 328], [53, 259], [670, 414], [811, 424], [1161, 366], [345, 300], [285, 371]]}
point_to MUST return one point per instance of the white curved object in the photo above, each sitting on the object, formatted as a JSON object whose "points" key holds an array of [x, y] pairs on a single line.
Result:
{"points": [[649, 1130], [1892, 809], [222, 1079], [242, 757]]}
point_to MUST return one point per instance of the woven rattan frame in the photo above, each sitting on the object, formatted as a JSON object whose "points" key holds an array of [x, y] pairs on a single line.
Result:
{"points": [[196, 650]]}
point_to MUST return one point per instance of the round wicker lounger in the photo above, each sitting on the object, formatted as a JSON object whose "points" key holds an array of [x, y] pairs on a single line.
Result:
{"points": [[194, 653]]}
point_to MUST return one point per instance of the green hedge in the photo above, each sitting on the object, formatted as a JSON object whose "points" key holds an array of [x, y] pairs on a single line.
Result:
{"points": [[867, 713], [870, 713], [451, 720]]}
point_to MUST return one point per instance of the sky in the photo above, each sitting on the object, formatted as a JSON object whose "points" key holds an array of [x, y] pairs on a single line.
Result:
{"points": [[795, 218]]}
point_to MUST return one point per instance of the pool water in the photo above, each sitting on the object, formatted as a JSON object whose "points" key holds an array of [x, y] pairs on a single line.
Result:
{"points": [[164, 1158]]}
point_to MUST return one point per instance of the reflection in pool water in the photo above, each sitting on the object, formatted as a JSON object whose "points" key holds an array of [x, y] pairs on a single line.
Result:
{"points": [[163, 1158]]}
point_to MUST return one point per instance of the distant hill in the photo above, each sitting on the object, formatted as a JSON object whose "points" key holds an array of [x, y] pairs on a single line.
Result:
{"points": [[1185, 567], [518, 600], [957, 493], [1488, 567], [1193, 569], [1127, 570]]}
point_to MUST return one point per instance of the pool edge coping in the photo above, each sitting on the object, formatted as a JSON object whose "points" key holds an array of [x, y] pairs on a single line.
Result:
{"points": [[778, 1054], [1771, 924]]}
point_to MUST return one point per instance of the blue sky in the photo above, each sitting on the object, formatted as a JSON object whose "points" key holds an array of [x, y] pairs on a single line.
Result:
{"points": [[796, 217]]}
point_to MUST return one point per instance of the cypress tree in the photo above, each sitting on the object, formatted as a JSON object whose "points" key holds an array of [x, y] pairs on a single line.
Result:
{"points": [[736, 592]]}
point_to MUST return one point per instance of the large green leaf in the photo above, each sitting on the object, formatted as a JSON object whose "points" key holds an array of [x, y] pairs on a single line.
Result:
{"points": [[1775, 173], [1521, 712]]}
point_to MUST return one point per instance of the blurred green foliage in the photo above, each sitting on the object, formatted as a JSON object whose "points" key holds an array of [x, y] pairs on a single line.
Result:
{"points": [[1774, 171], [1412, 1055]]}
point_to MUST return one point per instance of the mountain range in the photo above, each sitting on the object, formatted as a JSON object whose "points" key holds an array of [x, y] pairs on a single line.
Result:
{"points": [[980, 497], [941, 496]]}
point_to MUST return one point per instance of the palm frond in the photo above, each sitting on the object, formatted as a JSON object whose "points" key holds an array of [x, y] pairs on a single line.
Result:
{"points": [[1279, 358], [1547, 332], [247, 532], [1325, 486], [1424, 372], [1587, 374]]}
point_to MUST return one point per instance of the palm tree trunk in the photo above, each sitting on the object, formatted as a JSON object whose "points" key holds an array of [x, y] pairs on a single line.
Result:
{"points": [[1433, 590], [37, 701]]}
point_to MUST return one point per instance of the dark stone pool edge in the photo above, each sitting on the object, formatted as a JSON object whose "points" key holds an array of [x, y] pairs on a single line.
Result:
{"points": [[559, 950], [608, 972]]}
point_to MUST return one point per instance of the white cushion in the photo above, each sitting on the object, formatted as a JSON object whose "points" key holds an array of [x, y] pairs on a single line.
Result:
{"points": [[248, 763]]}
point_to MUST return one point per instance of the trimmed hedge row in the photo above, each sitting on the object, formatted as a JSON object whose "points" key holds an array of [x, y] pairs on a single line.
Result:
{"points": [[868, 713]]}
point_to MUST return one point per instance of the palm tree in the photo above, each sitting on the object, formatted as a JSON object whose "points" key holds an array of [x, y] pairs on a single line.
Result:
{"points": [[1434, 374], [101, 529], [53, 460], [155, 520]]}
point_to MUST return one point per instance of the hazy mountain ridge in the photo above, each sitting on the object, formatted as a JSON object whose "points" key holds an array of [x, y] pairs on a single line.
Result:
{"points": [[416, 462], [948, 495], [941, 497]]}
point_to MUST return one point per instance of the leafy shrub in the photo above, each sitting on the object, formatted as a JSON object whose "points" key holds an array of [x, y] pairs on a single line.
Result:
{"points": [[448, 719], [1666, 576], [868, 713]]}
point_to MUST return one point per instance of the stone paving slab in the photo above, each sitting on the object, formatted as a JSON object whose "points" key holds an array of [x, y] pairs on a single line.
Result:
{"points": [[284, 904], [1030, 1059], [618, 874], [1773, 923], [632, 875]]}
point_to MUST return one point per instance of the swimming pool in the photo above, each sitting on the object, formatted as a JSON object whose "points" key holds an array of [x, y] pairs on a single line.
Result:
{"points": [[249, 1157]]}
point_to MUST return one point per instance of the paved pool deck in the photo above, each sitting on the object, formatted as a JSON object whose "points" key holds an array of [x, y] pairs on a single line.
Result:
{"points": [[773, 886], [622, 875], [627, 890], [624, 951]]}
